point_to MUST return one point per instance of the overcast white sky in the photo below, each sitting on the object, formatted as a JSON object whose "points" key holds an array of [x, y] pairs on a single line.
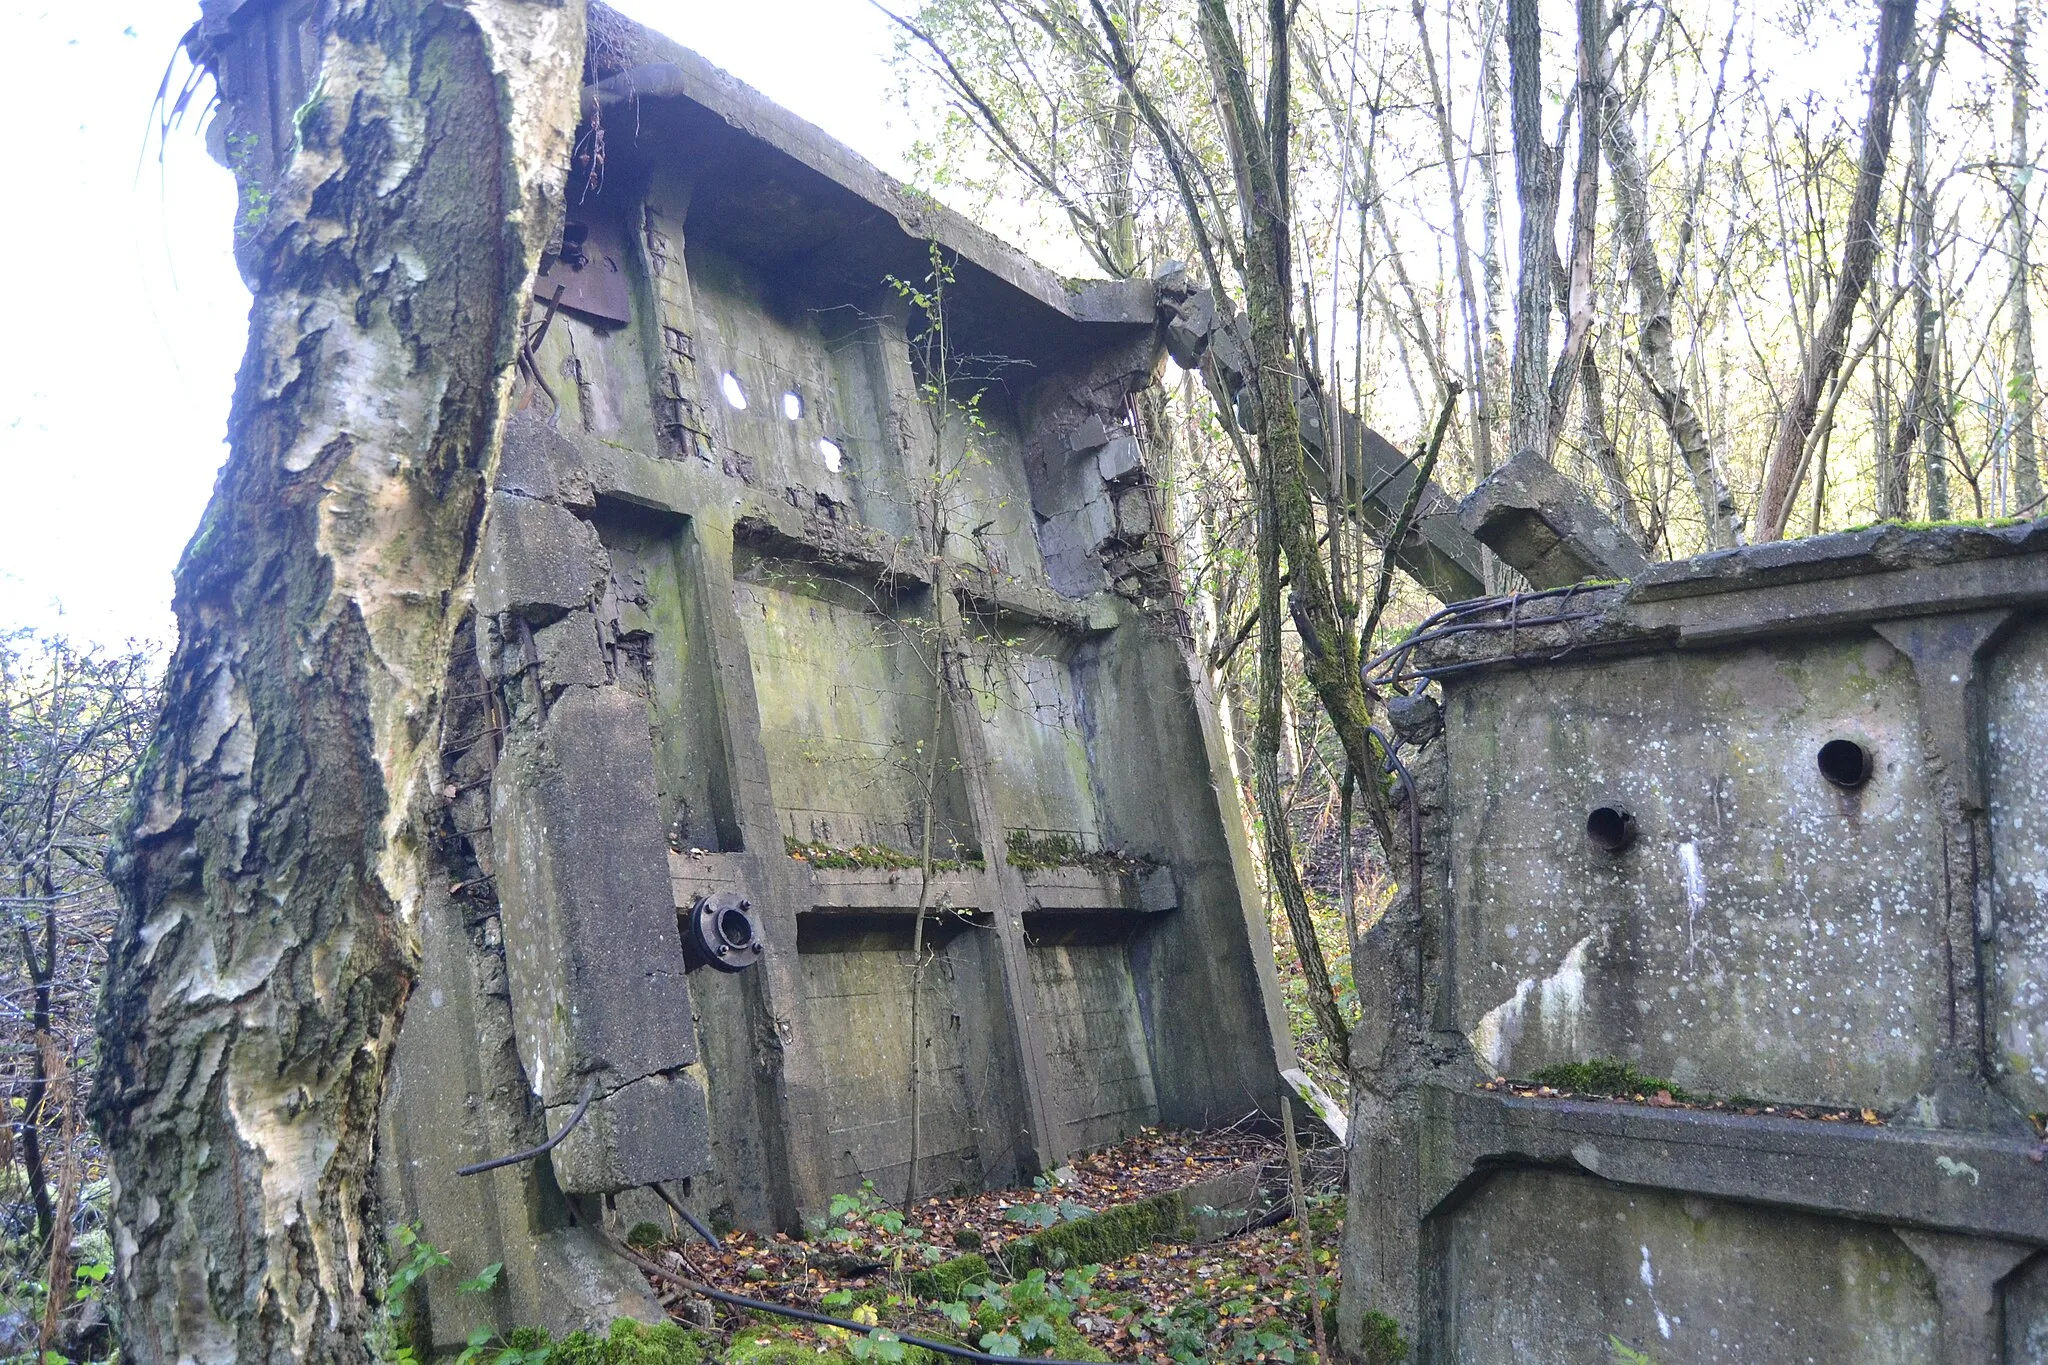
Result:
{"points": [[124, 316]]}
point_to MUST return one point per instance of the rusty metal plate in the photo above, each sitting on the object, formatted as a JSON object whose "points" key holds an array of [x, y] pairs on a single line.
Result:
{"points": [[590, 271]]}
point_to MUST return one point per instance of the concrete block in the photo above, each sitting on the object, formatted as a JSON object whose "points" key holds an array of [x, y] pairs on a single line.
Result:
{"points": [[1538, 521], [1090, 435], [569, 652], [539, 562], [1119, 459], [1134, 515], [652, 1129], [591, 946], [535, 458], [1189, 330]]}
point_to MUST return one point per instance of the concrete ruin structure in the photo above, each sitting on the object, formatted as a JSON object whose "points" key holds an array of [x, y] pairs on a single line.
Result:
{"points": [[1770, 825], [722, 687]]}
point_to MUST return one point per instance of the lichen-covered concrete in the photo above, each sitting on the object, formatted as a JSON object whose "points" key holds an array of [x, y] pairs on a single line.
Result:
{"points": [[719, 652], [1767, 826]]}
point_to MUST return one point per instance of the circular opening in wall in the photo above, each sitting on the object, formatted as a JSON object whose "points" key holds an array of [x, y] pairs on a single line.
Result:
{"points": [[830, 453], [1845, 763], [1611, 828], [792, 405], [729, 385], [736, 928]]}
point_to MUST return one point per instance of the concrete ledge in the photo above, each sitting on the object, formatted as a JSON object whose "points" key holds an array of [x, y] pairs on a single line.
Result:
{"points": [[1923, 1178]]}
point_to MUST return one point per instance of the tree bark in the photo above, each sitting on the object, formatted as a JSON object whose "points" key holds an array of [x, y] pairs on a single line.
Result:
{"points": [[2026, 468], [1824, 352], [1483, 458], [1654, 342], [273, 868], [1919, 420], [1536, 191]]}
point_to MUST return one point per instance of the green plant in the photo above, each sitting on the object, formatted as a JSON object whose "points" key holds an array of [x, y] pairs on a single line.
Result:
{"points": [[1032, 1317], [863, 1223], [1625, 1354], [1049, 1208]]}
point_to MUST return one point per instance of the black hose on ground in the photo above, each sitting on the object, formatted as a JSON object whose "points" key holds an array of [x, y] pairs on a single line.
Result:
{"points": [[822, 1319]]}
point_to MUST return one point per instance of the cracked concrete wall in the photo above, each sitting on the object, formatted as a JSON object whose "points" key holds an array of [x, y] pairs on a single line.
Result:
{"points": [[1763, 935], [707, 641]]}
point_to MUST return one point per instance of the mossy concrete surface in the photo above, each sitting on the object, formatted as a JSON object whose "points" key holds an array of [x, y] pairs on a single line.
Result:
{"points": [[1203, 1211]]}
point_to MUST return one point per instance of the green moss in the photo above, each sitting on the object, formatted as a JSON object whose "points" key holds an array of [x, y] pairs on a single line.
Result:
{"points": [[780, 1344], [1030, 851], [869, 856], [628, 1343], [948, 1280], [646, 1234], [1981, 523], [1381, 1340], [776, 1346], [1606, 1076], [1069, 1344], [1101, 1238]]}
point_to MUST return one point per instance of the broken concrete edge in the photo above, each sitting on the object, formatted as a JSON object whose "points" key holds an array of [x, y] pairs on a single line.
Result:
{"points": [[668, 70], [1788, 587], [1208, 1210], [1938, 1180], [1545, 526]]}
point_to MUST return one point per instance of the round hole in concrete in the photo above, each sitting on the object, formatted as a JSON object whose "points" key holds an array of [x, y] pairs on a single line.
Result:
{"points": [[1610, 828], [1845, 763], [830, 453], [792, 404], [735, 396]]}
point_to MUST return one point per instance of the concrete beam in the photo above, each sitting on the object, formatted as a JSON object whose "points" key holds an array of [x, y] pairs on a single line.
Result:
{"points": [[1544, 526]]}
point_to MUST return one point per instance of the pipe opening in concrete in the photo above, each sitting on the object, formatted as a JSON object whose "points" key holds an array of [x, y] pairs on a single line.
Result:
{"points": [[792, 405], [830, 453], [736, 928], [1611, 828], [1845, 763], [735, 396]]}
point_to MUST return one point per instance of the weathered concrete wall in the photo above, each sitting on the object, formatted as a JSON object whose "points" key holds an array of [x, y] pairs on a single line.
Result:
{"points": [[1772, 940], [707, 641]]}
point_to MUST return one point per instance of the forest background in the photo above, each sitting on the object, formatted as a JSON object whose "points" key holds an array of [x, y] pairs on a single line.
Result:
{"points": [[1743, 268]]}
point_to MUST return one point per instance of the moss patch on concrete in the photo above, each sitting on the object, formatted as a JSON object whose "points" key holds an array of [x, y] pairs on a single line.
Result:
{"points": [[627, 1343]]}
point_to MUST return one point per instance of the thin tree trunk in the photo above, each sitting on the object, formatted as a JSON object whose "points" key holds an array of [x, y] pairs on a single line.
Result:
{"points": [[1536, 193], [2026, 468], [1600, 448], [1919, 417], [1468, 294], [1824, 352], [1654, 342], [273, 868], [1579, 297], [1493, 270]]}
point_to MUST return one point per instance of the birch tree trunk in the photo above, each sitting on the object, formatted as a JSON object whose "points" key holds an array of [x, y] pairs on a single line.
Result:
{"points": [[1919, 416], [1483, 458], [1824, 353], [273, 867], [1536, 191], [1655, 345], [2026, 468]]}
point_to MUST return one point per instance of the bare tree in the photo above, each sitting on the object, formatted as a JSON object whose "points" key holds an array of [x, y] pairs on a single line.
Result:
{"points": [[1792, 446], [2026, 468], [74, 721]]}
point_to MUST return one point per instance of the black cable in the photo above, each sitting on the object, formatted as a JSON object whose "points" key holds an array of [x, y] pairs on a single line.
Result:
{"points": [[582, 1107], [684, 1214], [825, 1319]]}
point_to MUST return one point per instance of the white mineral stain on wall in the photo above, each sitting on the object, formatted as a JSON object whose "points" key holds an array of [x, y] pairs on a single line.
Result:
{"points": [[1560, 1002], [1695, 878]]}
